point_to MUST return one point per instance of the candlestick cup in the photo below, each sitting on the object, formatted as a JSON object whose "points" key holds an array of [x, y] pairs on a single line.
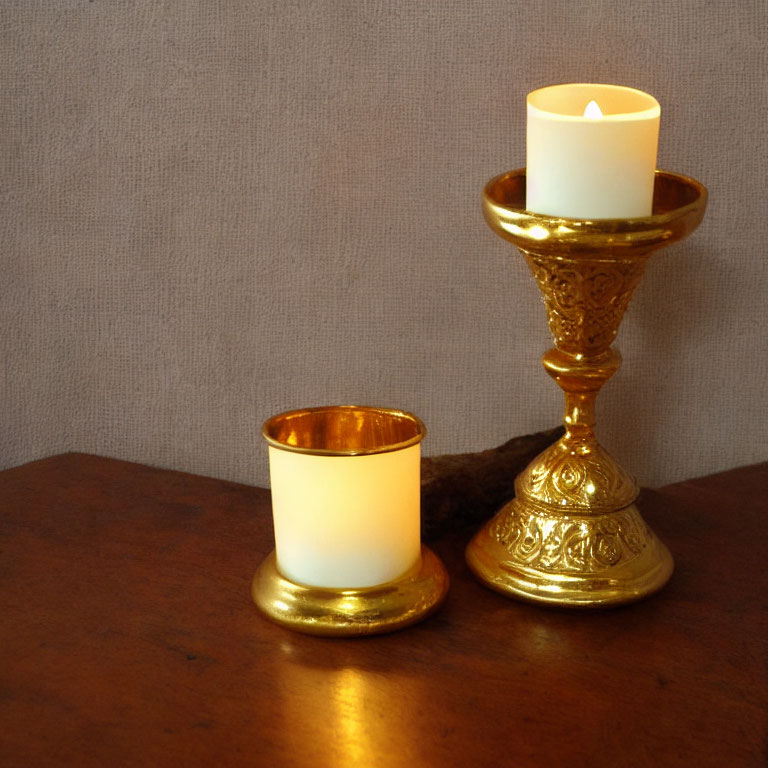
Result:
{"points": [[573, 535]]}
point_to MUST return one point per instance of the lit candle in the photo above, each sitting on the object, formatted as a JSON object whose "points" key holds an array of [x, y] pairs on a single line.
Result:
{"points": [[345, 494], [591, 151]]}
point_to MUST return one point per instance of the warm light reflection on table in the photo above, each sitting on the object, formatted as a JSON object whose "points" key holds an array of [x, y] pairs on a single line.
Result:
{"points": [[359, 727], [350, 717]]}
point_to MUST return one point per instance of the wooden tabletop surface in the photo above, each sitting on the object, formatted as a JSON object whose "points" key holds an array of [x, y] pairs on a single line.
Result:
{"points": [[128, 638]]}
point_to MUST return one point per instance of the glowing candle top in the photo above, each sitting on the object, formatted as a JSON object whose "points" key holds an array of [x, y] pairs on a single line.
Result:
{"points": [[591, 151]]}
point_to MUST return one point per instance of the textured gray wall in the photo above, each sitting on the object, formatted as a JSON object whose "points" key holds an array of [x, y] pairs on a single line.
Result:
{"points": [[212, 212]]}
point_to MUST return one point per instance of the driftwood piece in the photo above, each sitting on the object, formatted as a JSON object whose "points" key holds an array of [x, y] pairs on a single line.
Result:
{"points": [[458, 490]]}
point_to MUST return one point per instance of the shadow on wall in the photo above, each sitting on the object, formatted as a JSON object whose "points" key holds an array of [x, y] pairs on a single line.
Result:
{"points": [[677, 317]]}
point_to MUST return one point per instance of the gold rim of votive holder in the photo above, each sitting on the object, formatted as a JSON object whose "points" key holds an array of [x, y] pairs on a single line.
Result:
{"points": [[343, 430]]}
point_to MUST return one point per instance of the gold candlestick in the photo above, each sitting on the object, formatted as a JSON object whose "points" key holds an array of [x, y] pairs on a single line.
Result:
{"points": [[573, 535]]}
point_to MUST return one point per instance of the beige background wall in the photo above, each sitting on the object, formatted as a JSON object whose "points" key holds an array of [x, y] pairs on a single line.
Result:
{"points": [[214, 211]]}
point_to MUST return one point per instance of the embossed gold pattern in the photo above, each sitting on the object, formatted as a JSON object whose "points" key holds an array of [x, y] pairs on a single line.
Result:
{"points": [[585, 300], [577, 476], [561, 543], [572, 535]]}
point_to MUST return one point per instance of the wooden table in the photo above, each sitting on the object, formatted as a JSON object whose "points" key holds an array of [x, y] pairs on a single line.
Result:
{"points": [[129, 639]]}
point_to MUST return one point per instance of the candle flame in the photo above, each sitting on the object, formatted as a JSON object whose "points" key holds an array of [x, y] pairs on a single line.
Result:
{"points": [[593, 111]]}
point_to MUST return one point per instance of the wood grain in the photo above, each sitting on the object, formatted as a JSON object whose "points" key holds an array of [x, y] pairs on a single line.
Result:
{"points": [[129, 639]]}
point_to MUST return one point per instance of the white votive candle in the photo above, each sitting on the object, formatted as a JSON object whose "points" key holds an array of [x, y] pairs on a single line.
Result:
{"points": [[345, 494], [591, 161]]}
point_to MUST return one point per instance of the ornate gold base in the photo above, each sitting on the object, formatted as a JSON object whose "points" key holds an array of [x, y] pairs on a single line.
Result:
{"points": [[583, 561], [347, 612]]}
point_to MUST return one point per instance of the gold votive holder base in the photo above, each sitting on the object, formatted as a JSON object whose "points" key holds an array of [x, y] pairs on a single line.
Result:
{"points": [[342, 612]]}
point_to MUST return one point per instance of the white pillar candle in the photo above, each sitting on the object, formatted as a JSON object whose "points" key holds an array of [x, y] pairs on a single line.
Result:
{"points": [[345, 494], [591, 162]]}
